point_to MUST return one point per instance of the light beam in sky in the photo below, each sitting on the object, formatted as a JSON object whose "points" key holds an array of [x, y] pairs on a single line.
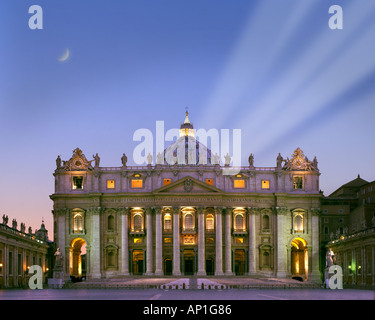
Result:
{"points": [[270, 103]]}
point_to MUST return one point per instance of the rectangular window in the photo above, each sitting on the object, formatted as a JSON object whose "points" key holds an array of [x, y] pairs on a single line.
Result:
{"points": [[167, 240], [239, 184], [166, 181], [189, 240], [137, 240], [110, 184], [210, 182], [265, 184], [210, 223], [297, 183], [167, 222], [77, 182], [10, 263], [19, 264], [239, 240], [137, 183], [210, 240]]}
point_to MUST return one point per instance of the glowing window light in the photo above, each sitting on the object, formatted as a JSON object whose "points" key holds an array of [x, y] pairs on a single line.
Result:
{"points": [[137, 183]]}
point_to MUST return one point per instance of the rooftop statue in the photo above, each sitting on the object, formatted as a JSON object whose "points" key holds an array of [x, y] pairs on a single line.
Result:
{"points": [[300, 162]]}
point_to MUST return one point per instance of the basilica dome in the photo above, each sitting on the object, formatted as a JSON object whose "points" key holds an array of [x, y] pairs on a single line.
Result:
{"points": [[187, 150]]}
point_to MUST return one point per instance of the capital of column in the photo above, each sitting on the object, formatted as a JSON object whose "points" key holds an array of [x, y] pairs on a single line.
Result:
{"points": [[315, 211], [158, 210], [149, 210], [200, 210], [60, 211], [227, 210], [218, 210], [251, 210], [123, 210], [281, 211], [175, 210], [95, 210]]}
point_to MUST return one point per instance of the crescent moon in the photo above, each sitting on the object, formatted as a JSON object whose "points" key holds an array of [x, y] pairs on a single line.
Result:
{"points": [[65, 56]]}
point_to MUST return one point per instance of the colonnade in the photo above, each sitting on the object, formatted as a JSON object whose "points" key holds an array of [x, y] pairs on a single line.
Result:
{"points": [[223, 241]]}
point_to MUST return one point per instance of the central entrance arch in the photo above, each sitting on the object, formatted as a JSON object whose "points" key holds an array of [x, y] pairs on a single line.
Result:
{"points": [[77, 259], [299, 259]]}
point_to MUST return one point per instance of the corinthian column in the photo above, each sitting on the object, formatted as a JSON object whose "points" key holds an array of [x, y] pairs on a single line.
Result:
{"points": [[124, 242], [228, 243], [149, 261], [281, 248], [219, 243], [314, 269], [158, 244], [95, 257], [176, 241], [201, 243], [252, 242]]}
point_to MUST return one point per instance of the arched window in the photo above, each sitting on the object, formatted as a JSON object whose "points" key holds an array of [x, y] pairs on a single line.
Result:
{"points": [[298, 222], [111, 223], [111, 259], [78, 223], [138, 222], [266, 222], [189, 223], [167, 222], [210, 222], [239, 222], [266, 259]]}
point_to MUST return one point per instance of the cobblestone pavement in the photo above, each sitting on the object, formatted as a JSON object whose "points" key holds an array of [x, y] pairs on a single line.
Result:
{"points": [[186, 295], [192, 283]]}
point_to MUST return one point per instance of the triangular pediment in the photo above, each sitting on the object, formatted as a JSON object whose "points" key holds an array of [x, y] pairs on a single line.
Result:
{"points": [[187, 185]]}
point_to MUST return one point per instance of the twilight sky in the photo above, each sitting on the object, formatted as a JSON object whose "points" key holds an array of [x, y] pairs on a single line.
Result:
{"points": [[272, 68]]}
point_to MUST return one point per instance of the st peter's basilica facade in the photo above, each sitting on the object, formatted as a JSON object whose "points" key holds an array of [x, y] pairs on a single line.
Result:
{"points": [[187, 219]]}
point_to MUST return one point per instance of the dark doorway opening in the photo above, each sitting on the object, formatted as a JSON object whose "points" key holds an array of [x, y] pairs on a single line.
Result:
{"points": [[210, 271], [189, 262], [138, 262], [168, 266]]}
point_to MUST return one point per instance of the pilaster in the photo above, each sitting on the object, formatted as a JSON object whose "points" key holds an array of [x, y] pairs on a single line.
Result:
{"points": [[228, 242], [95, 243], [124, 242], [201, 243], [149, 252], [219, 242], [176, 241], [158, 242]]}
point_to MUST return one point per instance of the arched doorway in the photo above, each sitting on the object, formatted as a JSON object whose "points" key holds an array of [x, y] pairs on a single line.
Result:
{"points": [[299, 259], [77, 259]]}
